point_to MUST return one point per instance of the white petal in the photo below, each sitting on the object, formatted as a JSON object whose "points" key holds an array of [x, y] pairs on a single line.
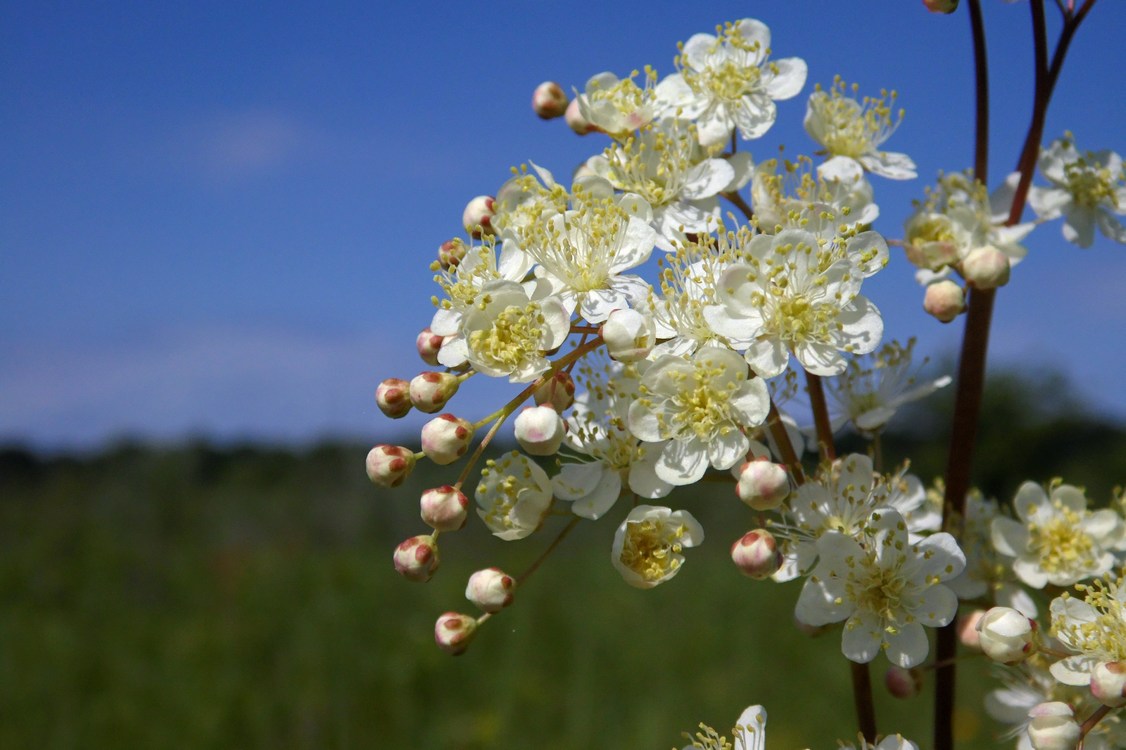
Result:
{"points": [[908, 646], [891, 165], [789, 79], [707, 178], [682, 462], [862, 638]]}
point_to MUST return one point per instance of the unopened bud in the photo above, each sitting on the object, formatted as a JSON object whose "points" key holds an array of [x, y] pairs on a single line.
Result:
{"points": [[490, 589], [944, 300], [1108, 683], [549, 100], [451, 252], [629, 335], [431, 390], [389, 465], [393, 397], [539, 430], [941, 6], [477, 218], [756, 554], [558, 391], [986, 268], [1053, 727], [416, 559], [446, 438], [454, 631], [763, 485], [1006, 635], [428, 344], [903, 683], [575, 119], [444, 508], [967, 629]]}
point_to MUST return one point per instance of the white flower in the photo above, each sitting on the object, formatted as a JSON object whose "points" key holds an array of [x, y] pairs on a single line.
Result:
{"points": [[463, 282], [832, 200], [1093, 627], [795, 295], [855, 129], [1056, 539], [513, 496], [648, 544], [749, 733], [727, 81], [617, 106], [868, 392], [886, 589], [891, 742], [1088, 190], [698, 409]]}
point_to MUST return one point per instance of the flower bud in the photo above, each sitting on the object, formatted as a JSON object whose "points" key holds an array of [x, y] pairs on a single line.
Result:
{"points": [[1006, 635], [549, 100], [575, 119], [454, 631], [539, 430], [756, 554], [428, 343], [967, 629], [558, 392], [1053, 727], [986, 268], [451, 252], [629, 335], [389, 465], [941, 6], [393, 397], [1108, 683], [944, 300], [446, 438], [444, 508], [416, 559], [431, 390], [477, 218], [490, 589], [903, 683], [763, 485]]}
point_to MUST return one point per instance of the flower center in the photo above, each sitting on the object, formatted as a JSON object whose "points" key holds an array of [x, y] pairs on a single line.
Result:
{"points": [[512, 340], [652, 549], [1061, 544], [1090, 186]]}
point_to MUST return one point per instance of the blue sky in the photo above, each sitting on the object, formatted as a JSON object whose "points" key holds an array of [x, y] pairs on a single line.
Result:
{"points": [[217, 217]]}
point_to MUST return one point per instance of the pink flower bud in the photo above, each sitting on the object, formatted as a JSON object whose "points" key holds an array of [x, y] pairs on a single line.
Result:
{"points": [[389, 465], [549, 100], [763, 485], [986, 268], [629, 335], [446, 438], [941, 6], [428, 344], [539, 430], [1006, 635], [454, 631], [1108, 683], [490, 589], [444, 508], [451, 252], [575, 119], [944, 300], [1053, 727], [478, 216], [558, 392], [756, 554], [416, 559], [393, 397], [903, 683], [431, 390], [967, 629]]}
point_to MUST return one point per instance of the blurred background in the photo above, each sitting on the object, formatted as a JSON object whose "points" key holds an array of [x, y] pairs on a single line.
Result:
{"points": [[214, 240]]}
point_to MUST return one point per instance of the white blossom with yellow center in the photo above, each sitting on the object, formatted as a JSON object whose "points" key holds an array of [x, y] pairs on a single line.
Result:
{"points": [[505, 334], [853, 130], [827, 202], [883, 587], [1093, 627], [463, 282], [1088, 190], [618, 106], [749, 733], [728, 81], [797, 294], [513, 496], [699, 410], [1055, 539], [647, 546]]}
